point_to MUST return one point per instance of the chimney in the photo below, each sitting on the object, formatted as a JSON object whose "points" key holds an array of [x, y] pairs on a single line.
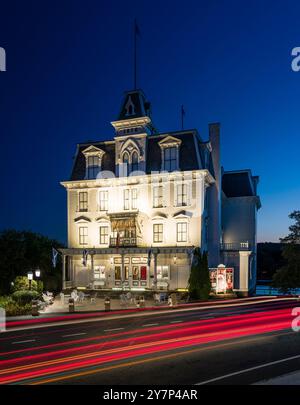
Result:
{"points": [[214, 209]]}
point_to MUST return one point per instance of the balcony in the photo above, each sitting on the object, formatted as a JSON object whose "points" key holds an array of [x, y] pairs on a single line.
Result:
{"points": [[235, 246], [123, 242]]}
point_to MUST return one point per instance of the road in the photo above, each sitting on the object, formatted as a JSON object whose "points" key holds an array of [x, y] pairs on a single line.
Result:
{"points": [[240, 344]]}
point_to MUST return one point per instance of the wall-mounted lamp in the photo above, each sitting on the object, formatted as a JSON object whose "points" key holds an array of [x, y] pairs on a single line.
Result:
{"points": [[175, 259]]}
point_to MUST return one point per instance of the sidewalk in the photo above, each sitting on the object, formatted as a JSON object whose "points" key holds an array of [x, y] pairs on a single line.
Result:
{"points": [[87, 306]]}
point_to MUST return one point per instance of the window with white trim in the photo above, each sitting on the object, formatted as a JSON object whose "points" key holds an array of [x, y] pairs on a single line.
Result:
{"points": [[93, 166], [163, 272], [103, 235], [83, 201], [170, 159], [99, 272], [134, 198], [83, 235], [182, 228], [157, 196], [181, 195], [103, 200], [158, 233], [126, 199]]}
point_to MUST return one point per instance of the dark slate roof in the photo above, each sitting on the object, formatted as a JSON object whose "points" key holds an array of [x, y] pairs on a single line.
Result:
{"points": [[187, 155], [141, 106], [108, 159], [238, 184]]}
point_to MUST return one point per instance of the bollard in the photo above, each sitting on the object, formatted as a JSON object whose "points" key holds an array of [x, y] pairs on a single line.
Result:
{"points": [[34, 308], [107, 304], [71, 305], [142, 302], [174, 299]]}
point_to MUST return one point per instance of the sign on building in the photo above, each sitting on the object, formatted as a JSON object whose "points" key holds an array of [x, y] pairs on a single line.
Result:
{"points": [[221, 279]]}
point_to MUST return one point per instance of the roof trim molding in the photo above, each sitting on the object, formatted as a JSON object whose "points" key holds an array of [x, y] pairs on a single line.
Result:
{"points": [[169, 141], [93, 151]]}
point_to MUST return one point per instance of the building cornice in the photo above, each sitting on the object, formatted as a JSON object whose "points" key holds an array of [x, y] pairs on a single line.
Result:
{"points": [[131, 180]]}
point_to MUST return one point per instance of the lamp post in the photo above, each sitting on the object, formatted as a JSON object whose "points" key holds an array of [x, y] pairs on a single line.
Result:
{"points": [[37, 273], [30, 278]]}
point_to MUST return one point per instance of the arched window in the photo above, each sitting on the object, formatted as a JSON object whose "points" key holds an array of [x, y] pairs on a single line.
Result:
{"points": [[134, 162], [126, 158], [125, 163]]}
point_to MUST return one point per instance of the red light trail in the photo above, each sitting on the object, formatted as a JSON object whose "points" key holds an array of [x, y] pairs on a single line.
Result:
{"points": [[106, 349]]}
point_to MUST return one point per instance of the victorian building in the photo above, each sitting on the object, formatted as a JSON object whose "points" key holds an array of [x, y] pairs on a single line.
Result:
{"points": [[139, 203]]}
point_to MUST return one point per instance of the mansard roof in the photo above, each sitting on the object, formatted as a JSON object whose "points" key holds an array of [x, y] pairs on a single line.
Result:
{"points": [[191, 156], [137, 99], [108, 159], [239, 183]]}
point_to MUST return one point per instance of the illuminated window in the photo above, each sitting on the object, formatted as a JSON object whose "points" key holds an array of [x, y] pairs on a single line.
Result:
{"points": [[126, 199], [182, 196], [126, 270], [83, 235], [93, 167], [117, 272], [134, 199], [157, 196], [157, 233], [162, 272], [83, 201], [103, 200], [170, 159], [135, 273], [103, 235], [99, 272], [182, 232]]}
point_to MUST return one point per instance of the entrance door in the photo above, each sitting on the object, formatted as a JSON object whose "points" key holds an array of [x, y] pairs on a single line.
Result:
{"points": [[139, 276]]}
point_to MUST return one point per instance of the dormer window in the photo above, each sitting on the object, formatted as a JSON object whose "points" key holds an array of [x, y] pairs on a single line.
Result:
{"points": [[93, 158], [170, 159], [93, 167], [170, 153], [129, 107]]}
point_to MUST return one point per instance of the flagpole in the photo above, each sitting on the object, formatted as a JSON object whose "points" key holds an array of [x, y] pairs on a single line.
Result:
{"points": [[134, 29]]}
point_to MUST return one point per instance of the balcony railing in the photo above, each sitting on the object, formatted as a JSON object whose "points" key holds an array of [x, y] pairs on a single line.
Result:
{"points": [[236, 246], [123, 242]]}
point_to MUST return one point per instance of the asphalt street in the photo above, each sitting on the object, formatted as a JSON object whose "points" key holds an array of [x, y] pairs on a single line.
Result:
{"points": [[240, 344]]}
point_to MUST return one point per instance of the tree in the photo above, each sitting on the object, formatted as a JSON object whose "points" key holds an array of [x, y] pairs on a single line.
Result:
{"points": [[288, 276], [199, 282], [205, 286], [21, 251]]}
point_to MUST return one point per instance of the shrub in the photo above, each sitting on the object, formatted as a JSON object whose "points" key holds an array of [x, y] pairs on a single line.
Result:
{"points": [[24, 297], [12, 308], [22, 283]]}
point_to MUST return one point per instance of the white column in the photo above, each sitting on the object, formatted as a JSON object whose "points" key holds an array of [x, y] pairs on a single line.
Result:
{"points": [[244, 271], [155, 270], [63, 272]]}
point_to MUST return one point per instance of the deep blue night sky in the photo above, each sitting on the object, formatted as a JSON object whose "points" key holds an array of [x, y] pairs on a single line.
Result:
{"points": [[68, 63]]}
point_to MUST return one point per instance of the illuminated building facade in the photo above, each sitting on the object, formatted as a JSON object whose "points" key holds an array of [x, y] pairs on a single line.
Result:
{"points": [[138, 204]]}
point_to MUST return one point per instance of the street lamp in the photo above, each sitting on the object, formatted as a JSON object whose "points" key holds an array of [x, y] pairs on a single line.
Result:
{"points": [[37, 273], [30, 278]]}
